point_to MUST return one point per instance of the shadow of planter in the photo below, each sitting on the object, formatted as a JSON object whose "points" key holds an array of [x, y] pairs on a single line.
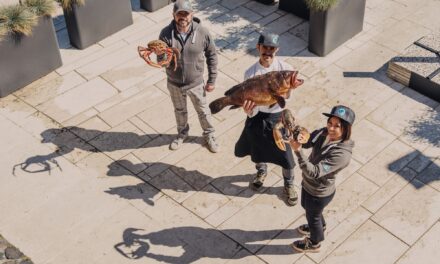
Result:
{"points": [[296, 7], [329, 29], [153, 5], [266, 2], [96, 20], [24, 59]]}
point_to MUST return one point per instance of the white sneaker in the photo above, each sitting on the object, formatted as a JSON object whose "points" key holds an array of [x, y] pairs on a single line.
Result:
{"points": [[212, 145]]}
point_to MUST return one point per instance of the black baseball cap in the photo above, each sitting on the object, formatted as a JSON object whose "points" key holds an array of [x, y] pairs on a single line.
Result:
{"points": [[343, 112], [182, 5], [268, 39]]}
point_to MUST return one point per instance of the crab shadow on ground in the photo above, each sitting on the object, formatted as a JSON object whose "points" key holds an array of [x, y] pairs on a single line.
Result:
{"points": [[67, 139], [179, 180], [188, 244]]}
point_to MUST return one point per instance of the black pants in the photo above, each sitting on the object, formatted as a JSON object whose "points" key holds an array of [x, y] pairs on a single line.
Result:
{"points": [[314, 207]]}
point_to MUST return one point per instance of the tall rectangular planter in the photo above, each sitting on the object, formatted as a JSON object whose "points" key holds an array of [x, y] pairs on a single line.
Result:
{"points": [[153, 5], [24, 59], [96, 20], [296, 7], [329, 29]]}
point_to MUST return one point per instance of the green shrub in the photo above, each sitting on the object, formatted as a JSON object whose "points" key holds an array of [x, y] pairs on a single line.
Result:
{"points": [[67, 4], [16, 19], [320, 5], [41, 7]]}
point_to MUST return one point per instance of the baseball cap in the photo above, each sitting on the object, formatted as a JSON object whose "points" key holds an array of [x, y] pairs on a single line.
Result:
{"points": [[268, 39], [343, 112], [182, 5]]}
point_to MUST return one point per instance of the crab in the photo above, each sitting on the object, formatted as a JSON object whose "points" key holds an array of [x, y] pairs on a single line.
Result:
{"points": [[286, 129], [162, 51]]}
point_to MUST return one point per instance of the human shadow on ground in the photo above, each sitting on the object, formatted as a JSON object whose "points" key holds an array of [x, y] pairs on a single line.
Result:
{"points": [[188, 244], [67, 139], [416, 165], [179, 180]]}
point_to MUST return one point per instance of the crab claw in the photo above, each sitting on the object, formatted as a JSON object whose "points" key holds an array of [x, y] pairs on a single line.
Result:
{"points": [[142, 51], [301, 135], [278, 137]]}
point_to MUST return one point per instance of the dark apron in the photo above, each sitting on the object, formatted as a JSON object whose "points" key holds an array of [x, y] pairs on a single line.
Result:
{"points": [[257, 141]]}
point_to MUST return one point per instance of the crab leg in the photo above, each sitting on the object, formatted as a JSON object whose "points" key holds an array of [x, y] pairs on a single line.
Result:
{"points": [[145, 54]]}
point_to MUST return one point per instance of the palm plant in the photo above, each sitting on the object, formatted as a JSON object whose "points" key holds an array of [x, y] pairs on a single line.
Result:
{"points": [[320, 5], [16, 19], [21, 18], [41, 7]]}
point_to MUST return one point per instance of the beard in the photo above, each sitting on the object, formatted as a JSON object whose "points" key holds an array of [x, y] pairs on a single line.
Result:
{"points": [[182, 22]]}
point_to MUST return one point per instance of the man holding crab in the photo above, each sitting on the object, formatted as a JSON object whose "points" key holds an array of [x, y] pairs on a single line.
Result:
{"points": [[195, 44]]}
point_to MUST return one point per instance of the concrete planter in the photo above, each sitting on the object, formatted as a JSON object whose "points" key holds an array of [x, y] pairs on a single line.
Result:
{"points": [[153, 5], [329, 29], [296, 7], [96, 20], [24, 59]]}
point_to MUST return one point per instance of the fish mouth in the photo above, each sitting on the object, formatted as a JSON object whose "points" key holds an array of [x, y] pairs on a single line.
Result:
{"points": [[296, 82]]}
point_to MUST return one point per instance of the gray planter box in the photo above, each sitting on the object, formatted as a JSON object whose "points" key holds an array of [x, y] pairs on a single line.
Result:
{"points": [[96, 20], [153, 5], [296, 7], [24, 59], [331, 28]]}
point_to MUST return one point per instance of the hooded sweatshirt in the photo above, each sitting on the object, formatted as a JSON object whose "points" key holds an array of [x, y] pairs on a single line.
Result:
{"points": [[320, 169], [197, 47]]}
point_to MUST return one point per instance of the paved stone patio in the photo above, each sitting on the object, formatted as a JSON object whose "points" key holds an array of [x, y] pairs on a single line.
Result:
{"points": [[87, 177]]}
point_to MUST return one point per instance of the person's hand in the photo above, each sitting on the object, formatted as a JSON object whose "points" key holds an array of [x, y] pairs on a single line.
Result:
{"points": [[248, 107], [296, 146], [302, 139], [209, 87]]}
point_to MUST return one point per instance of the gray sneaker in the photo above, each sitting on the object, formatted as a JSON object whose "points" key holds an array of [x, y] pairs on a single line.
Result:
{"points": [[212, 145], [292, 196], [177, 143], [257, 183]]}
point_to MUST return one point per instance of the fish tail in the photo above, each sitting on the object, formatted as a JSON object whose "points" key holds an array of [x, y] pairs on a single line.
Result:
{"points": [[218, 104]]}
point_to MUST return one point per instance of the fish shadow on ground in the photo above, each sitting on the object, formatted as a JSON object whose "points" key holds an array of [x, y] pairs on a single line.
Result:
{"points": [[169, 178], [188, 244]]}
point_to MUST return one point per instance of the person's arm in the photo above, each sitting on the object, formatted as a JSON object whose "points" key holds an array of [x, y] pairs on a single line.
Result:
{"points": [[211, 61], [336, 160]]}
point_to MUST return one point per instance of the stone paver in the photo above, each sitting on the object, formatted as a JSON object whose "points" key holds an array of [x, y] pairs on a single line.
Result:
{"points": [[85, 155]]}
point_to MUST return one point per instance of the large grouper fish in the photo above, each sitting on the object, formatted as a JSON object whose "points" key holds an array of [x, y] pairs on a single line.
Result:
{"points": [[265, 89]]}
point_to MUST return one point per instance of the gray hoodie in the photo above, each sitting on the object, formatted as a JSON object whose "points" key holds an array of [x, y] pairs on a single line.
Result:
{"points": [[198, 46], [320, 169]]}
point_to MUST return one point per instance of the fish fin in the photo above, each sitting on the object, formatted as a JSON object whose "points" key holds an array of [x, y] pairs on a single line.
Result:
{"points": [[234, 107], [280, 100], [217, 105], [233, 89]]}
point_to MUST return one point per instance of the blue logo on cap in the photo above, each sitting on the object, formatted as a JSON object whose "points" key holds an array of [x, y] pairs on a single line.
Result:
{"points": [[274, 38], [341, 111]]}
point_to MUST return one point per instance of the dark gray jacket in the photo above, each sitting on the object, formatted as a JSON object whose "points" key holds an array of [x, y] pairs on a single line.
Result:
{"points": [[198, 46], [320, 169]]}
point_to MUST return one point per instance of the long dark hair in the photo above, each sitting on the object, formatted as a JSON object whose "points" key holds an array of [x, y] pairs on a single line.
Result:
{"points": [[346, 129]]}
